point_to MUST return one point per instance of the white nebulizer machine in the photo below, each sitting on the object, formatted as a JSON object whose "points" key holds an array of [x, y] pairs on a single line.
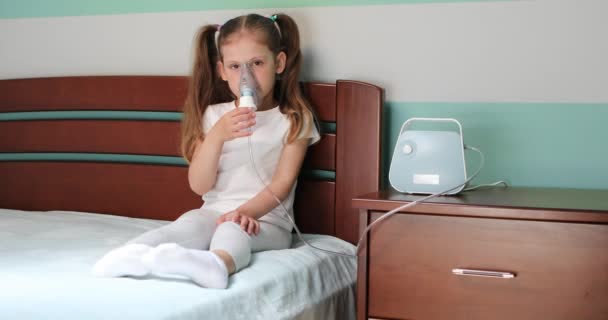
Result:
{"points": [[429, 162]]}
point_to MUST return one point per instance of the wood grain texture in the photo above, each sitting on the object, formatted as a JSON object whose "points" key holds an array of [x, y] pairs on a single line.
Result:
{"points": [[99, 136], [362, 268], [358, 165], [143, 93], [555, 242], [314, 206], [322, 96], [132, 190], [560, 269], [322, 155], [544, 204]]}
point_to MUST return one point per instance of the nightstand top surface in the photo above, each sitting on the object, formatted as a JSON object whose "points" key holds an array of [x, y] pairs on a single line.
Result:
{"points": [[499, 199]]}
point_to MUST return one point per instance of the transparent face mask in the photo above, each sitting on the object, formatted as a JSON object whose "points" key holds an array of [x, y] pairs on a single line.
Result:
{"points": [[248, 88]]}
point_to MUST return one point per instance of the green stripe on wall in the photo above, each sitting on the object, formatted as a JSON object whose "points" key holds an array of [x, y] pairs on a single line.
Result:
{"points": [[92, 157], [129, 158], [318, 174], [327, 127], [100, 115], [57, 8], [562, 145]]}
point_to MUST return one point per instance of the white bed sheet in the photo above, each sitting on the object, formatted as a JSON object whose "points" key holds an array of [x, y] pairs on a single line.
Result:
{"points": [[46, 258]]}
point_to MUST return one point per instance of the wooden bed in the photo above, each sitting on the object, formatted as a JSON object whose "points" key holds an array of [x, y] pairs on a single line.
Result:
{"points": [[109, 144]]}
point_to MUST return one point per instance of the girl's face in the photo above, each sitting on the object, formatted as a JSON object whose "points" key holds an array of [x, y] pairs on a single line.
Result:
{"points": [[244, 47]]}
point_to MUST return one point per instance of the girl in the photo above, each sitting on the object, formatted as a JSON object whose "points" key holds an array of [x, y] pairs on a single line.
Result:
{"points": [[240, 214]]}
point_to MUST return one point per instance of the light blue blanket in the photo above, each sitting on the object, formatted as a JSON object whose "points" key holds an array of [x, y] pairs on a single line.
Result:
{"points": [[46, 258]]}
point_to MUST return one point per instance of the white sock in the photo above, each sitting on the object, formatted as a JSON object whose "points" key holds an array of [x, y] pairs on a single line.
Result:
{"points": [[123, 261], [205, 268]]}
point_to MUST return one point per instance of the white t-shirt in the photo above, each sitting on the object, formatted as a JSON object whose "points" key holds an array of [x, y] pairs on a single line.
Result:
{"points": [[237, 181]]}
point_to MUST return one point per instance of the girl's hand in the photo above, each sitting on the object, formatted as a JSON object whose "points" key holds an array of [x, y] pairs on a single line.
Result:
{"points": [[234, 123], [248, 224]]}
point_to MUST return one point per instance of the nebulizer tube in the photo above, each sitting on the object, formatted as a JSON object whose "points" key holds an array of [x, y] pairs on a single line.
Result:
{"points": [[249, 98]]}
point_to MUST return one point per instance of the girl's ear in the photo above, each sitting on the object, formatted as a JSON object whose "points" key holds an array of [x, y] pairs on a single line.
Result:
{"points": [[220, 70], [281, 59]]}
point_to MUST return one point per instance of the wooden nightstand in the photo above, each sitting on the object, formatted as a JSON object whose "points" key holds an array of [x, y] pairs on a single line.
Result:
{"points": [[554, 242]]}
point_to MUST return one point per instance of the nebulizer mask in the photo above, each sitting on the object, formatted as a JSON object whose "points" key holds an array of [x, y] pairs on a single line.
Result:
{"points": [[248, 88]]}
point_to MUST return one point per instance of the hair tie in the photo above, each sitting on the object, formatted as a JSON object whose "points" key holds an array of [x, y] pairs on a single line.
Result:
{"points": [[217, 36], [274, 18]]}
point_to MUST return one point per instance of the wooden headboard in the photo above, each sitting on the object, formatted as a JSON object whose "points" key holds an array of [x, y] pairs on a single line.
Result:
{"points": [[109, 144]]}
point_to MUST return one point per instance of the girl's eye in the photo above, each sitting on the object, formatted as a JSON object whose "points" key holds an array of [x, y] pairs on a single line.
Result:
{"points": [[234, 66], [258, 63]]}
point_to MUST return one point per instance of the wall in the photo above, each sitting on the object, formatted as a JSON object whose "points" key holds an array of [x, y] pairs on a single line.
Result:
{"points": [[527, 79]]}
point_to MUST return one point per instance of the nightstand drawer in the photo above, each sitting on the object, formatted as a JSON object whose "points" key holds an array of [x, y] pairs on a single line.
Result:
{"points": [[560, 269]]}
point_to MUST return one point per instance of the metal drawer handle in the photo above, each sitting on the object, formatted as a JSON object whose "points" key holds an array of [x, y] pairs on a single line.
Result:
{"points": [[483, 273]]}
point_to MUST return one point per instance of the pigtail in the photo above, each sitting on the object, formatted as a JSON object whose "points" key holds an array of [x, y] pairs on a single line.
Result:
{"points": [[205, 87], [288, 92]]}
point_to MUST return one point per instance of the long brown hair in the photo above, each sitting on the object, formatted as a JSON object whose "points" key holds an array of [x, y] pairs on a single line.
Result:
{"points": [[207, 88]]}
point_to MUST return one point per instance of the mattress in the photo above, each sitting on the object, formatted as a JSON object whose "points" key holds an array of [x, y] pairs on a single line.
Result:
{"points": [[46, 259]]}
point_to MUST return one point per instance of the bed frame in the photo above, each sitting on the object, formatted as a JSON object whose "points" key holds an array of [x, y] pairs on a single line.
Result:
{"points": [[109, 144]]}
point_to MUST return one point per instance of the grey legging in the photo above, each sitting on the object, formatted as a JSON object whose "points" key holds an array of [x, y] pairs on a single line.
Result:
{"points": [[197, 229]]}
